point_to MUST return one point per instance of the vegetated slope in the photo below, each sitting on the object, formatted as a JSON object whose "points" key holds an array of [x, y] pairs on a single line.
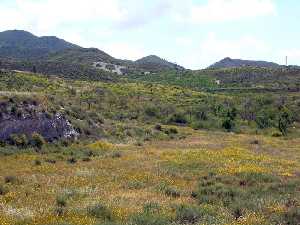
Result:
{"points": [[287, 78], [20, 44], [124, 111], [153, 63], [187, 79], [191, 176], [230, 63], [82, 56], [59, 69], [21, 47], [240, 78]]}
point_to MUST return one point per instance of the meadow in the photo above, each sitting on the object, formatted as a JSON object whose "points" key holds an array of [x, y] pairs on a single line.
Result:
{"points": [[206, 178], [150, 153]]}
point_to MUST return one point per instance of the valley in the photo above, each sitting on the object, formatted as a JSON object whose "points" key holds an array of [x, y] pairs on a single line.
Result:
{"points": [[88, 139]]}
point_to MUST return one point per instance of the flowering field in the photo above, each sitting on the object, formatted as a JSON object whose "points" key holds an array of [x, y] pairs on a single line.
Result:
{"points": [[206, 178]]}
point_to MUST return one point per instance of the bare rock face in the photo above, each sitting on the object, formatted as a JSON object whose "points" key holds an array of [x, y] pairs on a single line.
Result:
{"points": [[52, 127]]}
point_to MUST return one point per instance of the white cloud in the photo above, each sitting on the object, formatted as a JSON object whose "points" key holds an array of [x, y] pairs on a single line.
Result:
{"points": [[184, 41], [225, 10], [124, 51], [48, 15]]}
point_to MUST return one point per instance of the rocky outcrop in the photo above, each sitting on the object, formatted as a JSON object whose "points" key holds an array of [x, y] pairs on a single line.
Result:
{"points": [[51, 127]]}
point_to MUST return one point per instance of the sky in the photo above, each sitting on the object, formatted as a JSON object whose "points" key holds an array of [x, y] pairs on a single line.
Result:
{"points": [[192, 33]]}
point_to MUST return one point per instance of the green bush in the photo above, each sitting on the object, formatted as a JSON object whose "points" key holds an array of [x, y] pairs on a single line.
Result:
{"points": [[158, 127], [37, 162], [152, 208], [11, 180], [116, 155], [100, 211], [188, 214], [149, 219], [72, 160], [292, 216], [173, 130], [19, 140], [228, 124], [61, 201], [172, 192], [37, 140], [178, 118], [3, 190]]}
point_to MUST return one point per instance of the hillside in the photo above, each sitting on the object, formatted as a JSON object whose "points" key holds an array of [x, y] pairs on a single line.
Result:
{"points": [[21, 47], [153, 63], [206, 158], [20, 44], [241, 79], [231, 63]]}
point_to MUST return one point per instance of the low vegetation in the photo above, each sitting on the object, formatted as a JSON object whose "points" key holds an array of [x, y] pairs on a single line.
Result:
{"points": [[149, 153]]}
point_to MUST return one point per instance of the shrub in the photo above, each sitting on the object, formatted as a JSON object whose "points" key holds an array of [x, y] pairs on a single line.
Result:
{"points": [[172, 192], [173, 130], [37, 140], [277, 134], [37, 162], [86, 159], [99, 211], [284, 121], [11, 180], [263, 121], [255, 142], [139, 143], [151, 208], [59, 211], [158, 127], [109, 223], [51, 161], [2, 143], [19, 140], [72, 160], [178, 118], [292, 216], [61, 201], [149, 219], [188, 214], [237, 211], [101, 145], [3, 190], [151, 111], [228, 124], [116, 155], [135, 185]]}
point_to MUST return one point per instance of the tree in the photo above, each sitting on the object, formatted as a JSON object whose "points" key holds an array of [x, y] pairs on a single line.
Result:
{"points": [[34, 69], [284, 121], [228, 124]]}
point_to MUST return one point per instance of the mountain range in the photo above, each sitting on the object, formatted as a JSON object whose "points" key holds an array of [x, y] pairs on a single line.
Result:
{"points": [[50, 55], [231, 63], [21, 45]]}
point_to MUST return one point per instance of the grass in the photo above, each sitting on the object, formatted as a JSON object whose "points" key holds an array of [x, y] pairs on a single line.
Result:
{"points": [[142, 158], [232, 181]]}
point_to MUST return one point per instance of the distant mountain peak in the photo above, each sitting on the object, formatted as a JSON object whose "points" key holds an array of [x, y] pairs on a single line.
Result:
{"points": [[231, 63], [154, 62], [21, 44]]}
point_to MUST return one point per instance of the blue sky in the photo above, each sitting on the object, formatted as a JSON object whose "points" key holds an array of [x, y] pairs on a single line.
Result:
{"points": [[193, 33]]}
